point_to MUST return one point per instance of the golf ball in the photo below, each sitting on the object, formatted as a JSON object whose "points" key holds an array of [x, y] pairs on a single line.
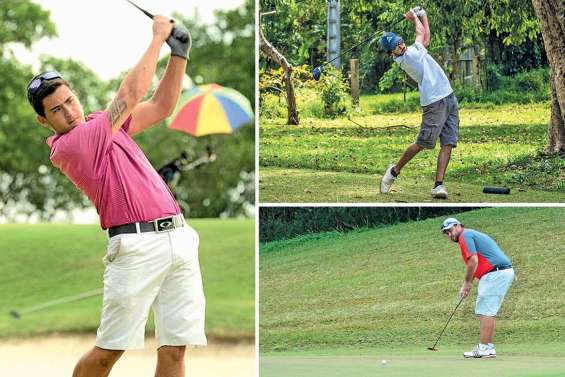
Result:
{"points": [[383, 362]]}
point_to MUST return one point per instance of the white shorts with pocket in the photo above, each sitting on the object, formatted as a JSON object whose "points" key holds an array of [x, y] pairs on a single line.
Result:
{"points": [[492, 290], [152, 270]]}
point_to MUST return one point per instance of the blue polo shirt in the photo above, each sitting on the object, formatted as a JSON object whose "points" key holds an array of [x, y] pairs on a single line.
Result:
{"points": [[489, 253]]}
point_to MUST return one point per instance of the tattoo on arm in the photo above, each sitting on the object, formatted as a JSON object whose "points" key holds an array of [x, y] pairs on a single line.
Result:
{"points": [[117, 108]]}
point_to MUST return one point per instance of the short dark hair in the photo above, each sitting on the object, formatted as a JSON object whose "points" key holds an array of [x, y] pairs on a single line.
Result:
{"points": [[47, 88]]}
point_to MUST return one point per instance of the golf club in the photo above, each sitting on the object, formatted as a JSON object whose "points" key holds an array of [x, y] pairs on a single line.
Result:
{"points": [[433, 348], [151, 16], [317, 72], [17, 314], [141, 9]]}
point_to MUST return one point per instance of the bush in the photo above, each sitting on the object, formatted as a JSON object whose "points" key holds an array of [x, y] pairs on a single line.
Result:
{"points": [[328, 97], [335, 92]]}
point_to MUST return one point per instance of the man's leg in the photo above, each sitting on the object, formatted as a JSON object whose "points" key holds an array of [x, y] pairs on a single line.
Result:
{"points": [[488, 325], [442, 161], [170, 361], [97, 362], [409, 153]]}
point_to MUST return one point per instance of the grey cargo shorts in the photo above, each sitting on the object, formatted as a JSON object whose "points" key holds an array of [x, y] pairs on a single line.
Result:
{"points": [[440, 118]]}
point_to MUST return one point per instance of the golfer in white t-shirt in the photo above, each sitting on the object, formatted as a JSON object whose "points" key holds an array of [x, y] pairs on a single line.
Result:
{"points": [[440, 109]]}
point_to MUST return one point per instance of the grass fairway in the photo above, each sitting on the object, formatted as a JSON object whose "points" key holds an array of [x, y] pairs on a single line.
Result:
{"points": [[385, 293], [341, 160], [40, 263]]}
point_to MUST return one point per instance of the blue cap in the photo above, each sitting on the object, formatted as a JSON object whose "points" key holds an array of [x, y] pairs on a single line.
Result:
{"points": [[389, 41]]}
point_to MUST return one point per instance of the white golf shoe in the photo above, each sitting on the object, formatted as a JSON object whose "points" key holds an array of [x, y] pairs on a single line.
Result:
{"points": [[387, 180], [439, 192], [480, 351]]}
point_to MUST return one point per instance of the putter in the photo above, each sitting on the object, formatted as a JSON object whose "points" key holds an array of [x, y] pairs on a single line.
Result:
{"points": [[17, 314], [433, 348], [317, 72]]}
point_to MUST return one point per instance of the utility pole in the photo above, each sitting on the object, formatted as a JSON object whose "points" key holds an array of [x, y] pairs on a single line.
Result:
{"points": [[334, 33]]}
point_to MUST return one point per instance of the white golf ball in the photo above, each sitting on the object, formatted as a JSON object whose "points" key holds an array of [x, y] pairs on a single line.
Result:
{"points": [[383, 362]]}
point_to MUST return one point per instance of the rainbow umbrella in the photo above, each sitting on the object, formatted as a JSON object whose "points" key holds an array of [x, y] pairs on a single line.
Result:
{"points": [[211, 109]]}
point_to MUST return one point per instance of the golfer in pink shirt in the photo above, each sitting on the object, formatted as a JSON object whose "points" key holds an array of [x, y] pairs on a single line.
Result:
{"points": [[152, 256]]}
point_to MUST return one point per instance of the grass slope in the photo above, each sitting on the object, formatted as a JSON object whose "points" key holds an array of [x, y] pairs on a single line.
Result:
{"points": [[394, 287], [495, 147], [40, 263]]}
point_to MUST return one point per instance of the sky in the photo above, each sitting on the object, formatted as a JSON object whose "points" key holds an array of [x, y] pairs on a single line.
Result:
{"points": [[109, 36]]}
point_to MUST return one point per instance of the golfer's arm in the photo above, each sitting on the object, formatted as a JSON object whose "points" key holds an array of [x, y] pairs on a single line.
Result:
{"points": [[424, 21], [472, 264], [134, 86], [163, 101], [420, 31]]}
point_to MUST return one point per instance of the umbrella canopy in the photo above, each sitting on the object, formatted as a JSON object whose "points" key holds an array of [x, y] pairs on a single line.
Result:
{"points": [[211, 109]]}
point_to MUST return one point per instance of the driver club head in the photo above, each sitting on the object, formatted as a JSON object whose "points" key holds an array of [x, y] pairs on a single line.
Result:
{"points": [[317, 73]]}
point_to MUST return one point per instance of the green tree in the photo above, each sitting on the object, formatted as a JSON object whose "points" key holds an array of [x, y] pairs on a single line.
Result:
{"points": [[20, 180]]}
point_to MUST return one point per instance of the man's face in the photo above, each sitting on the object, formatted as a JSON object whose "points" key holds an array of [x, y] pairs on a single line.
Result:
{"points": [[454, 232], [63, 111], [399, 50]]}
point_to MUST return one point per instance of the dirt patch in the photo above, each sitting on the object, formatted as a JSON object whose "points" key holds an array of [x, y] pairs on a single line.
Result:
{"points": [[56, 356]]}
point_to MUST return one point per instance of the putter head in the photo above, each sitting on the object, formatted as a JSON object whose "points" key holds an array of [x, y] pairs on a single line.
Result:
{"points": [[432, 349], [15, 314], [317, 73]]}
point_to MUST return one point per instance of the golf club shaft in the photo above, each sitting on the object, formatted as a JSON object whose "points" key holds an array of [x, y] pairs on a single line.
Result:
{"points": [[141, 9], [451, 316], [63, 300], [372, 36]]}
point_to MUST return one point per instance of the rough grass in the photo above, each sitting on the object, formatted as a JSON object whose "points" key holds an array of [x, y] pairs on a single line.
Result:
{"points": [[394, 287], [498, 146], [40, 263]]}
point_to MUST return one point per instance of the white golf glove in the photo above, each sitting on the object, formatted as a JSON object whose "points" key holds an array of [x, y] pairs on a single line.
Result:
{"points": [[420, 12]]}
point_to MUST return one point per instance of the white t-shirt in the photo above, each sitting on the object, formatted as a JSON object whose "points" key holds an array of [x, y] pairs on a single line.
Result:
{"points": [[432, 81]]}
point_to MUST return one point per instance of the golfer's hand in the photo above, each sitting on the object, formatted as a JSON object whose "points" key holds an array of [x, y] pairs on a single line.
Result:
{"points": [[410, 16], [162, 27], [465, 289], [180, 41]]}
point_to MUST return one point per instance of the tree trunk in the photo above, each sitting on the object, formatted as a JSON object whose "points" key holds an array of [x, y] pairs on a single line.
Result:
{"points": [[278, 58], [550, 14]]}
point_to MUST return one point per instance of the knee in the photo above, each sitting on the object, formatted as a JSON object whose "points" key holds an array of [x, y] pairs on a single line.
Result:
{"points": [[172, 353], [99, 358]]}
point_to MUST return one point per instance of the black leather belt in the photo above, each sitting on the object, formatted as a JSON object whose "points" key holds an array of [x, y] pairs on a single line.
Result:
{"points": [[158, 225], [500, 268]]}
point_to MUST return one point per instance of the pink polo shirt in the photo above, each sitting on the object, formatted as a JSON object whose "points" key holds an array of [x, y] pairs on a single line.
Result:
{"points": [[112, 171]]}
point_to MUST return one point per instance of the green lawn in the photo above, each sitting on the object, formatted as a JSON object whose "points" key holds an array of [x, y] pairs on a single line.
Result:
{"points": [[539, 360], [40, 263], [499, 145], [391, 288]]}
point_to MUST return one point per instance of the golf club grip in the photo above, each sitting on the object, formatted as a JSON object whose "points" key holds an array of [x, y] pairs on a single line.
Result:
{"points": [[496, 190]]}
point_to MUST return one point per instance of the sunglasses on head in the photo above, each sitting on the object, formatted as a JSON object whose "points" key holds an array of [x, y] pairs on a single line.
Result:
{"points": [[35, 84]]}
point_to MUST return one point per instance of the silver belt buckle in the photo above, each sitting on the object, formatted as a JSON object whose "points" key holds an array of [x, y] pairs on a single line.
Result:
{"points": [[164, 224]]}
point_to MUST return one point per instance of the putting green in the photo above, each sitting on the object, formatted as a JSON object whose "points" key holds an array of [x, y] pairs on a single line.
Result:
{"points": [[444, 363]]}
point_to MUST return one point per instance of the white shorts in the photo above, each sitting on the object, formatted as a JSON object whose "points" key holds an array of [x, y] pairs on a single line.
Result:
{"points": [[492, 290], [152, 270]]}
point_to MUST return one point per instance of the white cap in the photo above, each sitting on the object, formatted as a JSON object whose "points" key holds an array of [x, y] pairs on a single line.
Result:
{"points": [[449, 223]]}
